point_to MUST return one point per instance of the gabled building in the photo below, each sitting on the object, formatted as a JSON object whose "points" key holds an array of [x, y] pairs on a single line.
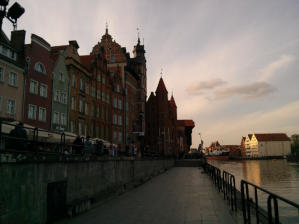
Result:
{"points": [[247, 146], [272, 144], [12, 76], [164, 133], [61, 94], [38, 88]]}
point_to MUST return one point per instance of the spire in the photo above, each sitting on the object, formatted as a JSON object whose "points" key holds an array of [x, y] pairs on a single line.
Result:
{"points": [[106, 28], [161, 86], [171, 101], [138, 42]]}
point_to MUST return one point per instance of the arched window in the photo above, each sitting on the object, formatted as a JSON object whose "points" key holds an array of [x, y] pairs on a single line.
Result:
{"points": [[39, 67]]}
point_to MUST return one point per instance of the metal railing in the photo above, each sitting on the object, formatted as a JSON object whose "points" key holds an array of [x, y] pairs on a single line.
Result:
{"points": [[224, 183], [272, 199]]}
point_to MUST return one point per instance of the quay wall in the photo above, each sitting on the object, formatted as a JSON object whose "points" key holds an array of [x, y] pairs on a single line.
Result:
{"points": [[36, 189]]}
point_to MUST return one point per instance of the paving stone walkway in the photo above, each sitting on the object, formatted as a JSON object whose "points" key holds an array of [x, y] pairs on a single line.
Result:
{"points": [[182, 195]]}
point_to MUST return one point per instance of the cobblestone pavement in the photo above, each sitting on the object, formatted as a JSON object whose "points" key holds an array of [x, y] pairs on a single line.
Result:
{"points": [[180, 195]]}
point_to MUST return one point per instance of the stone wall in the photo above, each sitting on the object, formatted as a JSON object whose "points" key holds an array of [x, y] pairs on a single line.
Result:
{"points": [[29, 189]]}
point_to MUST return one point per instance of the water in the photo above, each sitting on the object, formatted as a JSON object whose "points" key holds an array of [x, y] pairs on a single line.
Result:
{"points": [[277, 176]]}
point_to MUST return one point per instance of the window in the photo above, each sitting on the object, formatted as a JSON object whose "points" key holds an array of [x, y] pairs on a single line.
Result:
{"points": [[0, 103], [74, 80], [103, 132], [103, 113], [39, 67], [114, 119], [33, 87], [107, 115], [126, 91], [117, 88], [120, 120], [1, 74], [119, 104], [127, 121], [42, 114], [80, 127], [115, 102], [104, 80], [13, 79], [81, 106], [4, 51], [98, 112], [82, 84], [61, 77], [127, 106], [63, 98], [62, 119], [103, 96], [11, 107], [114, 136], [91, 130], [93, 92], [120, 137], [57, 95], [43, 90], [32, 112], [108, 98], [73, 103], [133, 108], [112, 59], [99, 94], [97, 131], [92, 110], [56, 117], [86, 108], [86, 89], [99, 78], [72, 126], [112, 74]]}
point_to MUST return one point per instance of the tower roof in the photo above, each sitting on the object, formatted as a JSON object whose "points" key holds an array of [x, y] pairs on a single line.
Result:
{"points": [[161, 87], [172, 102]]}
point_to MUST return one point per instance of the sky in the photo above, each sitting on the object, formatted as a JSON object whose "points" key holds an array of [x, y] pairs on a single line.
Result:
{"points": [[233, 66]]}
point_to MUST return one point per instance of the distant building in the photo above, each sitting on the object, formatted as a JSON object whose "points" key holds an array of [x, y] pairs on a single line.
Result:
{"points": [[12, 76], [164, 133], [38, 89], [247, 146], [242, 147], [272, 144]]}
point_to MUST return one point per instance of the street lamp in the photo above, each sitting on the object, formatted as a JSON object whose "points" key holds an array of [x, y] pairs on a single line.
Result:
{"points": [[13, 13]]}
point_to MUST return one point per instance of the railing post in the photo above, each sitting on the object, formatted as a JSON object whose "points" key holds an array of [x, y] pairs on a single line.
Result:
{"points": [[269, 207], [256, 206], [246, 213]]}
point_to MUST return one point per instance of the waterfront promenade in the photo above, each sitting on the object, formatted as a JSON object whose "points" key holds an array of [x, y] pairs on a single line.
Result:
{"points": [[180, 195]]}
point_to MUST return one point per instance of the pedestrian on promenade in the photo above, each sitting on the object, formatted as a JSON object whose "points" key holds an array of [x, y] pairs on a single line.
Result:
{"points": [[78, 145], [18, 137], [88, 145]]}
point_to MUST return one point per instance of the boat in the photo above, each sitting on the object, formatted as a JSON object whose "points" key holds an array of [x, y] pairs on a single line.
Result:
{"points": [[218, 155]]}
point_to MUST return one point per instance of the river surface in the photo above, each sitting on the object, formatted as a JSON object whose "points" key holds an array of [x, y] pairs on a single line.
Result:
{"points": [[277, 176]]}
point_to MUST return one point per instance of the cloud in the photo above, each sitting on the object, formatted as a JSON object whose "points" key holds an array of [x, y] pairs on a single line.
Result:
{"points": [[275, 66], [249, 91], [196, 87]]}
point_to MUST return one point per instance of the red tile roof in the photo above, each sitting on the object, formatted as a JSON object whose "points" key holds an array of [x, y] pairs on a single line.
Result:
{"points": [[185, 123], [272, 137], [161, 86], [86, 60]]}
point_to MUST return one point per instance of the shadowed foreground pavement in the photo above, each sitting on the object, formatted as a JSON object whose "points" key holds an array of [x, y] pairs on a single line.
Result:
{"points": [[181, 195]]}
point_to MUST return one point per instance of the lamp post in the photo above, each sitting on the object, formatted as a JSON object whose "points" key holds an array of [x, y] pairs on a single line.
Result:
{"points": [[12, 14]]}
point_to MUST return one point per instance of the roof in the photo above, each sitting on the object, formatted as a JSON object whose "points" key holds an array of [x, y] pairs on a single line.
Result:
{"points": [[86, 60], [59, 48], [172, 102], [185, 123], [272, 137], [161, 86]]}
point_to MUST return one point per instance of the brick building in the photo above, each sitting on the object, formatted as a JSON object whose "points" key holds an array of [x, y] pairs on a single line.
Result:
{"points": [[164, 133], [38, 88]]}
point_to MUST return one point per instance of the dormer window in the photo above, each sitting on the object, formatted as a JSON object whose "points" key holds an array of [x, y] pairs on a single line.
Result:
{"points": [[39, 67]]}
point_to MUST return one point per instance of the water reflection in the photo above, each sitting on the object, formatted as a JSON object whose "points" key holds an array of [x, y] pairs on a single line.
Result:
{"points": [[278, 176]]}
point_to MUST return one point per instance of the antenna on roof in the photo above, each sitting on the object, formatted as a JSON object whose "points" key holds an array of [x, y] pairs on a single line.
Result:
{"points": [[138, 35]]}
